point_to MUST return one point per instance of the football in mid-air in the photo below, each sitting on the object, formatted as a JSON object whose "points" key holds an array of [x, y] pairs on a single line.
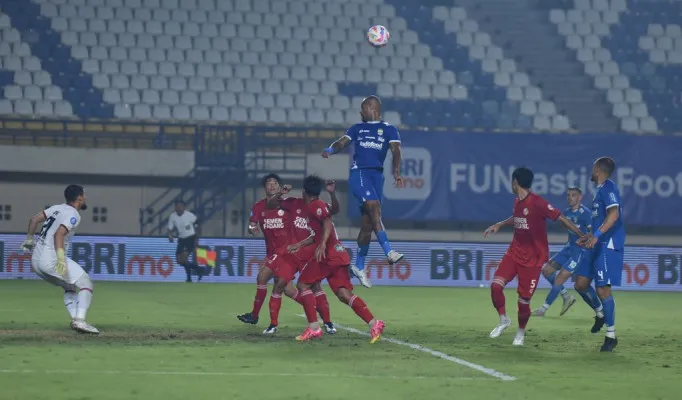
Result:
{"points": [[378, 36]]}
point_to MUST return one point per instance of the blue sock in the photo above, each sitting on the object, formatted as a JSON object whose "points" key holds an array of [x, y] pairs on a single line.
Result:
{"points": [[609, 311], [551, 278], [596, 302], [553, 293], [362, 253], [383, 241]]}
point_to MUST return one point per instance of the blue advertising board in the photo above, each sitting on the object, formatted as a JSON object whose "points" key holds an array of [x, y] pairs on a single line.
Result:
{"points": [[467, 176]]}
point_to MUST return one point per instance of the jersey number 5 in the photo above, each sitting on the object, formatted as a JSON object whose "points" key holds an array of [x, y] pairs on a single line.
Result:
{"points": [[46, 227]]}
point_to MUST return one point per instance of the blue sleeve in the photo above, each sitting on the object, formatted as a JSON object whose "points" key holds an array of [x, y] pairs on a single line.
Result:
{"points": [[586, 218], [610, 195], [352, 133], [394, 135]]}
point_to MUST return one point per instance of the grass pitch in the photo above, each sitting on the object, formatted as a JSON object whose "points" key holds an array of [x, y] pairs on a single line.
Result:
{"points": [[180, 341]]}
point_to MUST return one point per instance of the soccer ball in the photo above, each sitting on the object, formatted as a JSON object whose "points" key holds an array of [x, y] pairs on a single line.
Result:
{"points": [[378, 36]]}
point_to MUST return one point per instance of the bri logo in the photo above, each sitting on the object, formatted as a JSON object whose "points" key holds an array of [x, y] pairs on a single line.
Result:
{"points": [[415, 168]]}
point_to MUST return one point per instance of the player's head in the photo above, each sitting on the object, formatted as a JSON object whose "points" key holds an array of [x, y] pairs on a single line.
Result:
{"points": [[574, 196], [272, 184], [179, 206], [602, 169], [370, 109], [312, 187], [522, 178], [75, 195]]}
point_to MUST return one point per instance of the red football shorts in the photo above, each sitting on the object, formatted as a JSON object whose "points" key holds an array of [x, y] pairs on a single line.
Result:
{"points": [[334, 268], [284, 265], [527, 276]]}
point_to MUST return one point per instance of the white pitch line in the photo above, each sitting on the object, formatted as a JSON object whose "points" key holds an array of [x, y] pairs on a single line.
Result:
{"points": [[254, 374], [435, 353]]}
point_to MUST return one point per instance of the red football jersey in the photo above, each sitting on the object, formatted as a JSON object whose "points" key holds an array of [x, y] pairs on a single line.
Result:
{"points": [[273, 224], [318, 211], [297, 212], [529, 247]]}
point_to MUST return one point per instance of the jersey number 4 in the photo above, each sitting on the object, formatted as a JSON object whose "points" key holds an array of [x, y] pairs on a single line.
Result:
{"points": [[46, 227]]}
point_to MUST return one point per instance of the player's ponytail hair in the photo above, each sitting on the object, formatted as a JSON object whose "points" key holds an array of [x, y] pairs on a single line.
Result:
{"points": [[313, 185]]}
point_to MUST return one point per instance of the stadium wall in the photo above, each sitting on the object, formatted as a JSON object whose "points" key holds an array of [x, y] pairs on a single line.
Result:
{"points": [[120, 162], [122, 258]]}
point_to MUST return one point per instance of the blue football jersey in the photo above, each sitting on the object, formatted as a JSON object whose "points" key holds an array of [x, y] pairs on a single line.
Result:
{"points": [[582, 218], [607, 196], [371, 143]]}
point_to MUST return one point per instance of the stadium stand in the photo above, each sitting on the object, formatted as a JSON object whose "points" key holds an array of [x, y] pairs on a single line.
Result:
{"points": [[596, 65]]}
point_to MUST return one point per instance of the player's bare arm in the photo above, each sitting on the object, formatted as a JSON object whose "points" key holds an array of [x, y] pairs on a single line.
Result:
{"points": [[253, 228], [327, 228], [568, 224], [494, 228], [336, 147], [396, 150], [292, 248], [33, 223], [59, 247], [59, 237], [590, 240], [335, 206]]}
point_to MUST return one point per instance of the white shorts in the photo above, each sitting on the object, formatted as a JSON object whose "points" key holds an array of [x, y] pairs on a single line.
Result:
{"points": [[46, 269]]}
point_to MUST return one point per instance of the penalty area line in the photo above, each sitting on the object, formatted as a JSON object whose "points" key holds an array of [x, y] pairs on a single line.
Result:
{"points": [[435, 353], [225, 374]]}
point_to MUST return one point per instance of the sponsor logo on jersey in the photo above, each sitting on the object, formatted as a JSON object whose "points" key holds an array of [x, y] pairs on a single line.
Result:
{"points": [[372, 145], [301, 223], [273, 223], [520, 223]]}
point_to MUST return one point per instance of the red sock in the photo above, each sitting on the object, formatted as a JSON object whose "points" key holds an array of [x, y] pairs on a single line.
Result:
{"points": [[360, 308], [323, 306], [524, 312], [275, 304], [309, 305], [297, 297], [261, 293], [497, 294]]}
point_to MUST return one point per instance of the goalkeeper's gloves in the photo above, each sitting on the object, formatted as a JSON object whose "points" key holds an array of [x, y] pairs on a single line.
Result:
{"points": [[28, 244], [61, 262]]}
